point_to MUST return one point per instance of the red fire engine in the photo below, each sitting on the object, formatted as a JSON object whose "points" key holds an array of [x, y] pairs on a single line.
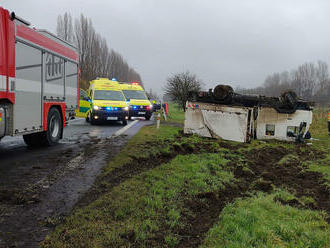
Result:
{"points": [[39, 82]]}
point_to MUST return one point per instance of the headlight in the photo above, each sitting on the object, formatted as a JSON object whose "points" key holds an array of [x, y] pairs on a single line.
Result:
{"points": [[150, 105], [126, 108], [96, 107]]}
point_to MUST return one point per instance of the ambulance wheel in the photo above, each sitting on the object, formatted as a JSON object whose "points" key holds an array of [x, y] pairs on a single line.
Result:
{"points": [[148, 117], [92, 121], [124, 122], [54, 128]]}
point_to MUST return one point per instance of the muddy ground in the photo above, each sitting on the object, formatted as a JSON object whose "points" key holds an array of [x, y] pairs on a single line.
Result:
{"points": [[38, 188], [262, 172], [264, 175], [29, 213]]}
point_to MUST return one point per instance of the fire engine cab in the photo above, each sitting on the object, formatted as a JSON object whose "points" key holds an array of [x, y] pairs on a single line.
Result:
{"points": [[39, 82]]}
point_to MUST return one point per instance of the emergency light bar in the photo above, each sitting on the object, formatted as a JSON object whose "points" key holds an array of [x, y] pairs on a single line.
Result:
{"points": [[13, 16]]}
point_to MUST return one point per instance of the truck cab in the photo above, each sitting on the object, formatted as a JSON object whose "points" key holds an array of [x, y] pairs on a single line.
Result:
{"points": [[108, 102], [139, 104], [39, 82]]}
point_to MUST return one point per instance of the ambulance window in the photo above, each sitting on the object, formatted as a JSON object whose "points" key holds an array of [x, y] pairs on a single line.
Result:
{"points": [[270, 129], [292, 131]]}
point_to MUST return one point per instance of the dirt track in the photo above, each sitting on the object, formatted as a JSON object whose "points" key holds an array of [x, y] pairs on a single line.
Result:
{"points": [[203, 210], [39, 208], [39, 187]]}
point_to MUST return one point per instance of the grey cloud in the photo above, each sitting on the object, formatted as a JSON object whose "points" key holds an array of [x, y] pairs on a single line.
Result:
{"points": [[234, 41]]}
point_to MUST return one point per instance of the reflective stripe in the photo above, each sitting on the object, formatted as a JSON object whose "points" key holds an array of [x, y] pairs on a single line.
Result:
{"points": [[329, 117]]}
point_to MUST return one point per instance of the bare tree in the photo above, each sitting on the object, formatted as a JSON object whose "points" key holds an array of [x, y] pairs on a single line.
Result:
{"points": [[64, 28], [179, 85], [322, 77], [96, 59], [152, 95], [310, 81]]}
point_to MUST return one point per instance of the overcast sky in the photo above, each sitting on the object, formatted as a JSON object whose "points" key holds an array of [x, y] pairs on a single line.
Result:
{"points": [[238, 42]]}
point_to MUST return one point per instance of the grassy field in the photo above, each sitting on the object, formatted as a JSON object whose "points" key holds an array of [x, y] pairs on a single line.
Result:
{"points": [[167, 189]]}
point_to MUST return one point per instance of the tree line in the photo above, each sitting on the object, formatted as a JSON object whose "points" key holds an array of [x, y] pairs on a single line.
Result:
{"points": [[96, 58], [310, 81]]}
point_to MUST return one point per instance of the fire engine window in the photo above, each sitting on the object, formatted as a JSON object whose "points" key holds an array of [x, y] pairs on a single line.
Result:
{"points": [[292, 131], [270, 129], [83, 94]]}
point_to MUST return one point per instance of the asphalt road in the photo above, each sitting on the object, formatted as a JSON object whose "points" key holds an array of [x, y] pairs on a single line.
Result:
{"points": [[40, 186], [77, 130]]}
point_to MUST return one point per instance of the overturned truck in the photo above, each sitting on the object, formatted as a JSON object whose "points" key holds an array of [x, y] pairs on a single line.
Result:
{"points": [[222, 113]]}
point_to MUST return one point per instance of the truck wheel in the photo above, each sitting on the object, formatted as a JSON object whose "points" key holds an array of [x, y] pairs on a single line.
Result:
{"points": [[33, 139], [54, 128], [222, 92], [51, 136]]}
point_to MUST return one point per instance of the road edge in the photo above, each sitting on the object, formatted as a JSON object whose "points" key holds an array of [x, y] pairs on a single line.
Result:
{"points": [[122, 130]]}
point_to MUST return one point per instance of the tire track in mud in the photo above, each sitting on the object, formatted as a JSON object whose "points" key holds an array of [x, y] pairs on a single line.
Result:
{"points": [[202, 211], [138, 166], [53, 196]]}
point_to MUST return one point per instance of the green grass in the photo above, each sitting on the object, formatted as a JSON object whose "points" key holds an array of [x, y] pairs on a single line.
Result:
{"points": [[175, 113], [143, 207], [259, 221], [319, 130], [149, 141], [146, 210]]}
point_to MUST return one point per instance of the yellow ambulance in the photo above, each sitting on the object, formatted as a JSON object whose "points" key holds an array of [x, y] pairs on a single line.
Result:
{"points": [[108, 102], [139, 104]]}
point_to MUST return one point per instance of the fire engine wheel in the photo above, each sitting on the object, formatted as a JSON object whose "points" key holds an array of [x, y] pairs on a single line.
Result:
{"points": [[54, 127]]}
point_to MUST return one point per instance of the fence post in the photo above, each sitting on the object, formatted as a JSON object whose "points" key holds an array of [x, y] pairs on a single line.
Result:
{"points": [[166, 108], [158, 120], [329, 122]]}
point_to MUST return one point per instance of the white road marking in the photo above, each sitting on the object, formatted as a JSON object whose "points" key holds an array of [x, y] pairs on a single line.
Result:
{"points": [[75, 120], [122, 130]]}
